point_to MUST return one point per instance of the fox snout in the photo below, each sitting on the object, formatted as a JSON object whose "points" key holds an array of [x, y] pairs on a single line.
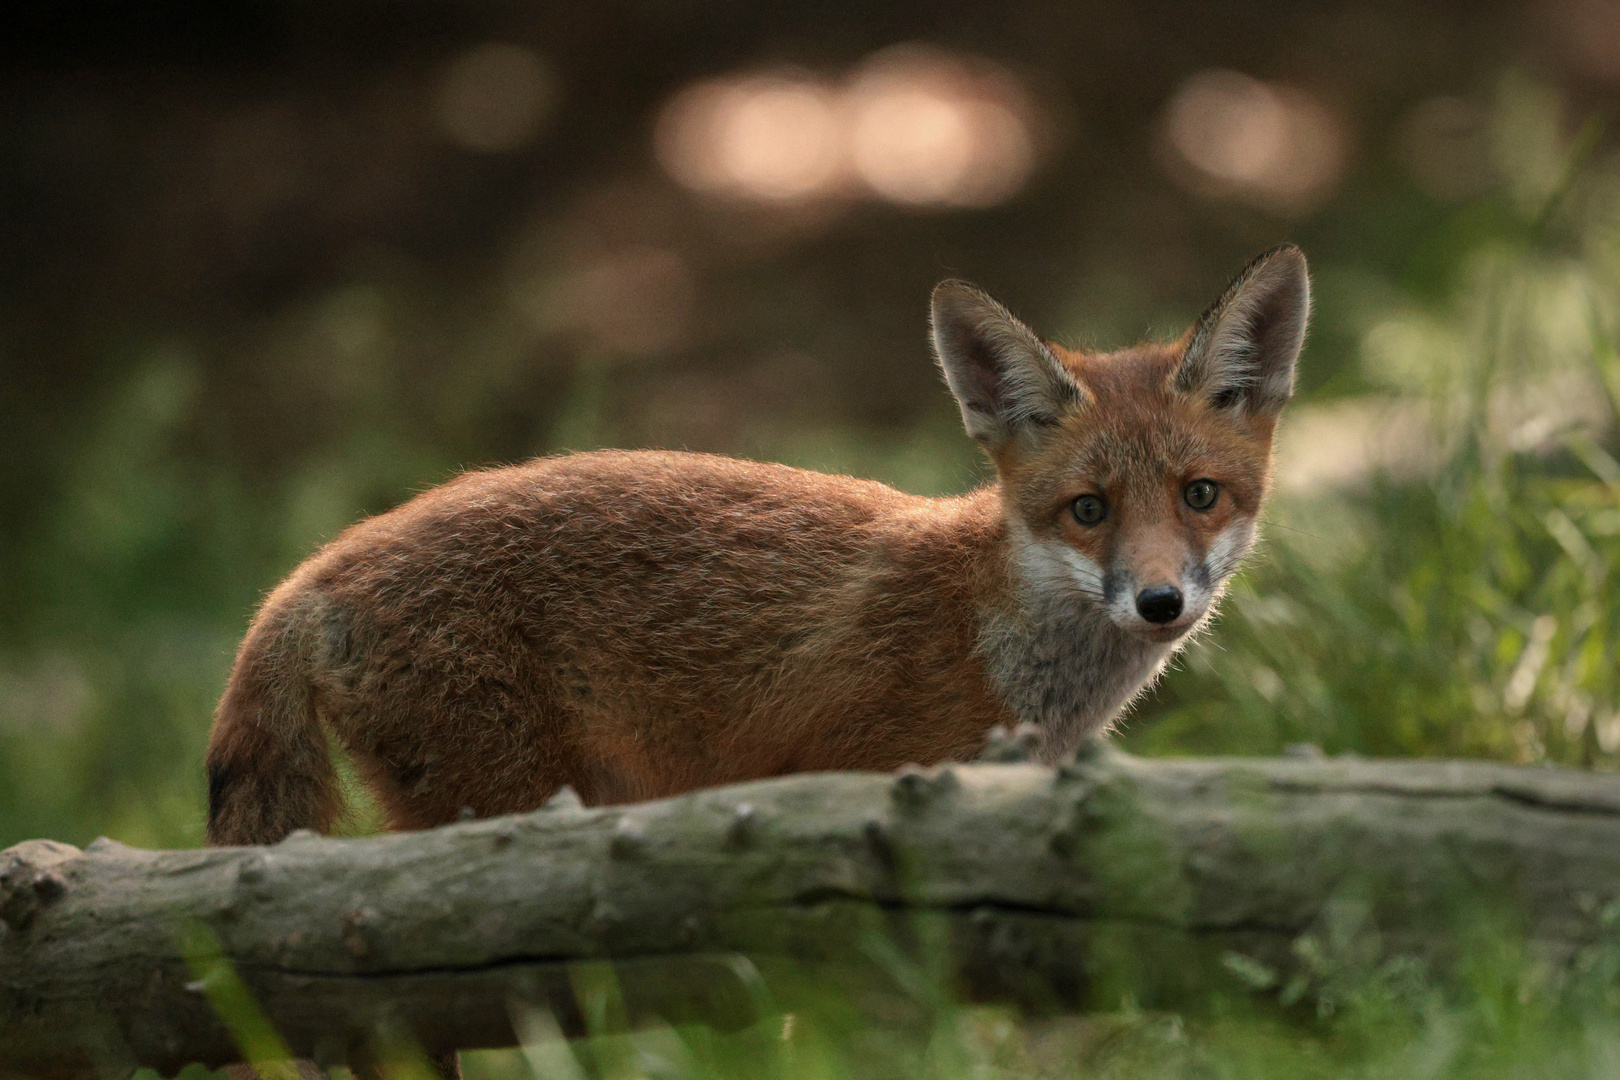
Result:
{"points": [[1160, 604], [1162, 587], [1162, 597], [1155, 606], [1159, 609]]}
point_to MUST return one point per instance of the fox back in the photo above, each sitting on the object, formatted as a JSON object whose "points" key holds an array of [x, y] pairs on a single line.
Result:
{"points": [[636, 624]]}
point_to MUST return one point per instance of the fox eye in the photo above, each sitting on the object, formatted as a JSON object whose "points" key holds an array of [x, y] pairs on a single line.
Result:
{"points": [[1201, 494], [1088, 510]]}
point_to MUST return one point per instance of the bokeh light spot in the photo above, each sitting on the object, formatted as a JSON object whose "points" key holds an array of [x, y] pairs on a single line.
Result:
{"points": [[913, 125], [766, 137], [1274, 147], [924, 129], [1588, 32]]}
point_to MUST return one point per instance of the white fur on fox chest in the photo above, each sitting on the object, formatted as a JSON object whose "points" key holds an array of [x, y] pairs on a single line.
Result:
{"points": [[1057, 660]]}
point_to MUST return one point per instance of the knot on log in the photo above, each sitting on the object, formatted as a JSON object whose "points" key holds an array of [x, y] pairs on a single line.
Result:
{"points": [[629, 838], [741, 829], [917, 787], [1018, 745], [30, 879], [356, 925], [878, 841], [1091, 749], [566, 798]]}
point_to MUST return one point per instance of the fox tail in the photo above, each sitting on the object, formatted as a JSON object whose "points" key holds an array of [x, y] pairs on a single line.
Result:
{"points": [[269, 770]]}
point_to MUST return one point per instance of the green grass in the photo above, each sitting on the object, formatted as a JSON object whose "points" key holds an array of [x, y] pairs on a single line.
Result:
{"points": [[1349, 1013]]}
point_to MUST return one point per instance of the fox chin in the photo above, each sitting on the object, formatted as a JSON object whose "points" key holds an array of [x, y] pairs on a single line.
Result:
{"points": [[638, 624]]}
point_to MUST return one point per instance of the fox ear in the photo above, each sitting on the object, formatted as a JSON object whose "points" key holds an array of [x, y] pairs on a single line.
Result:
{"points": [[1007, 381], [1242, 350]]}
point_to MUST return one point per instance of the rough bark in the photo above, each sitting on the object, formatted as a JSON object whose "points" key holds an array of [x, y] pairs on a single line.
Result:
{"points": [[1053, 889]]}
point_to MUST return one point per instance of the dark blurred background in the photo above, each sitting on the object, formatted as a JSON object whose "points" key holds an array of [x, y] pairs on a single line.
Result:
{"points": [[266, 268]]}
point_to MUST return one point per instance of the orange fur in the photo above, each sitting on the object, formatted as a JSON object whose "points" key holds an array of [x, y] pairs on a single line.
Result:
{"points": [[637, 624]]}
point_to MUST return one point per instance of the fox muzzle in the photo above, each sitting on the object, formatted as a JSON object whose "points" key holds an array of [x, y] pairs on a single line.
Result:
{"points": [[1159, 605]]}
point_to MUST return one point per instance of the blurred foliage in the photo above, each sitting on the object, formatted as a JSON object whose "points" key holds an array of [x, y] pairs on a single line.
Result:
{"points": [[1506, 1018], [1345, 1013]]}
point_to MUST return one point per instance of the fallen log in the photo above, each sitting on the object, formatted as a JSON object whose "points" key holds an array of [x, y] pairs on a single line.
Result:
{"points": [[1052, 889]]}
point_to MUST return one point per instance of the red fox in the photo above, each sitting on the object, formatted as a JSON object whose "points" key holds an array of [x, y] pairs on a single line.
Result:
{"points": [[637, 624]]}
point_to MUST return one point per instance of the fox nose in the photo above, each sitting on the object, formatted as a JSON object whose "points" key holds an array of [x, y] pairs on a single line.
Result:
{"points": [[1159, 605]]}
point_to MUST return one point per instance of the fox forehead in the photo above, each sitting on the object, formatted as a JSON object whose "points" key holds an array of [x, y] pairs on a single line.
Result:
{"points": [[1133, 436]]}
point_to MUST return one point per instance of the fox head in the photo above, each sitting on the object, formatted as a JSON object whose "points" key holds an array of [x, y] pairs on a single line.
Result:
{"points": [[1131, 480]]}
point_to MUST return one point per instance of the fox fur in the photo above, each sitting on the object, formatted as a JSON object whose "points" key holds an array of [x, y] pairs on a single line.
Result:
{"points": [[637, 624]]}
